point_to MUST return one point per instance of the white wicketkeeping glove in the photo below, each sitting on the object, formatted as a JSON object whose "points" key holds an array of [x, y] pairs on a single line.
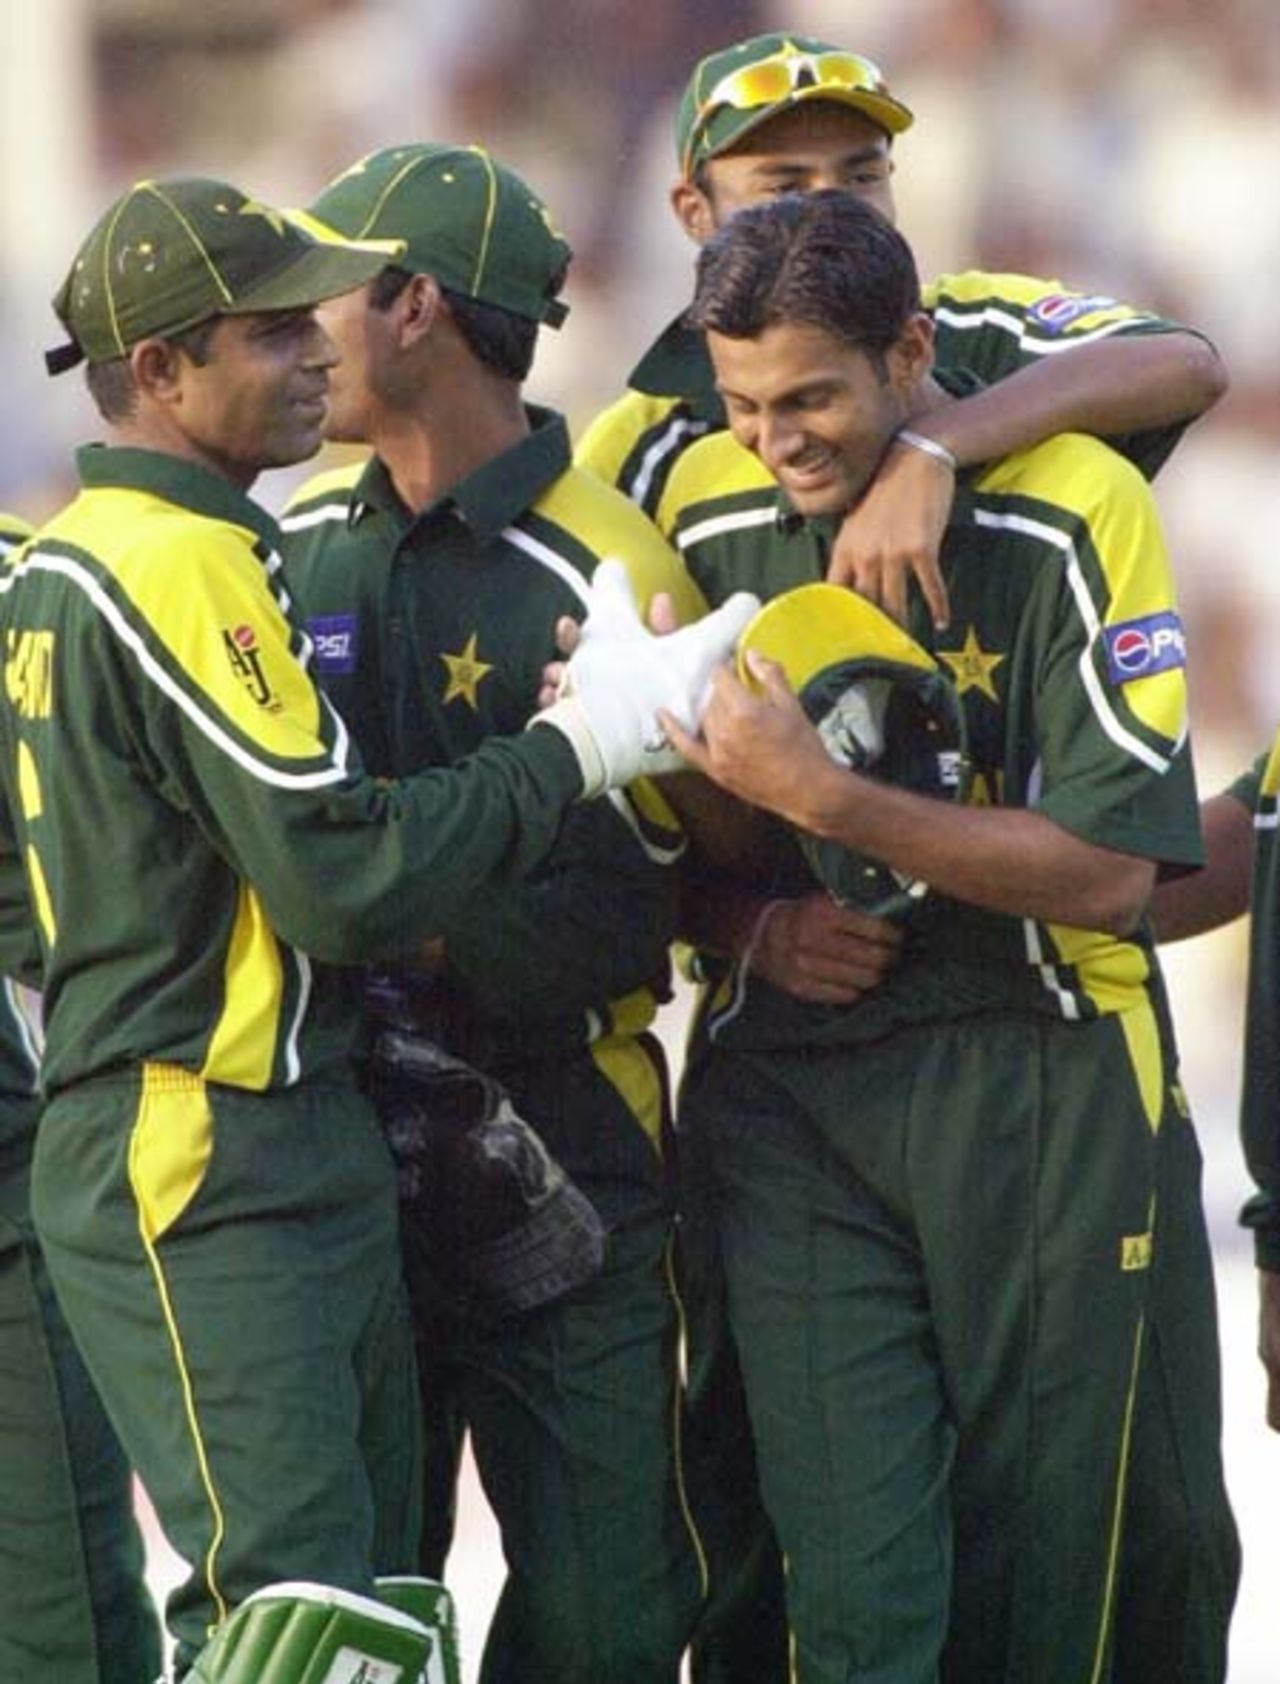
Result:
{"points": [[621, 673]]}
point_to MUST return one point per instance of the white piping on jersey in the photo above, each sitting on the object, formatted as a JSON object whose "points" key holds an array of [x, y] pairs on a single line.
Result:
{"points": [[1107, 718], [654, 851], [43, 562], [716, 524], [1068, 1004], [23, 1020], [292, 1061], [315, 517], [666, 444], [563, 570], [993, 316]]}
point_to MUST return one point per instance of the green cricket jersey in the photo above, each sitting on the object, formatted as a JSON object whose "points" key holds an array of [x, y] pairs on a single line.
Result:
{"points": [[1068, 656], [431, 632], [19, 1031], [1260, 1104], [989, 325], [191, 815]]}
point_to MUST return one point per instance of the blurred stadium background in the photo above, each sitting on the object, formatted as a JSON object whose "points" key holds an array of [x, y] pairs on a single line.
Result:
{"points": [[1127, 146]]}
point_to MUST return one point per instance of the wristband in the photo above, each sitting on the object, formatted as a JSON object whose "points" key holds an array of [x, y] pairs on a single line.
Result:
{"points": [[930, 447]]}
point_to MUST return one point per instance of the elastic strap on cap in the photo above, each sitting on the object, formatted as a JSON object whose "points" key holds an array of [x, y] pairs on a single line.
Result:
{"points": [[63, 357]]}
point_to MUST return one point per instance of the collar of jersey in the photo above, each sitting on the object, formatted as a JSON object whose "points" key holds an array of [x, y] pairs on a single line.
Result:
{"points": [[678, 365], [186, 484], [492, 497]]}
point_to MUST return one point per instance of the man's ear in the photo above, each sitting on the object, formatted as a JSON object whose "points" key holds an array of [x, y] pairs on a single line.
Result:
{"points": [[910, 357], [693, 211], [417, 309], [157, 366]]}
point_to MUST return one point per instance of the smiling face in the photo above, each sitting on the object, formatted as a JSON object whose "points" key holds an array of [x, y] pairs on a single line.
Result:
{"points": [[259, 397], [817, 410], [813, 146]]}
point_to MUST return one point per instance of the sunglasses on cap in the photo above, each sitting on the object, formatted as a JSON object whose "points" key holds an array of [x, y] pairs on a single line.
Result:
{"points": [[778, 78]]}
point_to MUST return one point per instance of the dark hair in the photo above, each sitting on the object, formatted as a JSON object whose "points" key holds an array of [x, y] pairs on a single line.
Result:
{"points": [[112, 386], [825, 258], [498, 338]]}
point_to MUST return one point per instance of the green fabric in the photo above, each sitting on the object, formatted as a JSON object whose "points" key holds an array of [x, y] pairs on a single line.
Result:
{"points": [[275, 1296], [1047, 724], [464, 218], [73, 1602], [944, 1277], [437, 629], [167, 255], [450, 616], [572, 1414], [179, 744]]}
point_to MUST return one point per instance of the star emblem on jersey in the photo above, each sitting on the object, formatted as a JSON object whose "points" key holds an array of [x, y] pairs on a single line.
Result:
{"points": [[971, 666], [466, 669]]}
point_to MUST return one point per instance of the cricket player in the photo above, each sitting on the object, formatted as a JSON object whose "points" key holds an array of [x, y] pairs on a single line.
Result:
{"points": [[439, 568], [74, 1606], [955, 1215], [203, 852], [783, 112]]}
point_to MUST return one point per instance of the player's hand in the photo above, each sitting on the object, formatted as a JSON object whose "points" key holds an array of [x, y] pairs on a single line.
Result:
{"points": [[622, 680], [818, 950], [894, 534], [1269, 1340], [758, 744], [662, 619]]}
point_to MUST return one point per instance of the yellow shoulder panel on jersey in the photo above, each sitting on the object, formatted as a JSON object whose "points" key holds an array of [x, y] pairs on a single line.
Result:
{"points": [[1077, 311], [609, 524], [609, 439], [1082, 482], [205, 599], [326, 484], [13, 531], [717, 466]]}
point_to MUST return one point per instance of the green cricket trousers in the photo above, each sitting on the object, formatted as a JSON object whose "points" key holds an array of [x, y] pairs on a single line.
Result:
{"points": [[74, 1607], [228, 1263], [940, 1251]]}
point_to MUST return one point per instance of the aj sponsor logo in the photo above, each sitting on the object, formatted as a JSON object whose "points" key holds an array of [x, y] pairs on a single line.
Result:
{"points": [[1141, 648], [242, 649]]}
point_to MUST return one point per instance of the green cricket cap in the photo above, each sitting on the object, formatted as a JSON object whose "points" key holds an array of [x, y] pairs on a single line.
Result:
{"points": [[463, 217], [737, 89], [168, 255]]}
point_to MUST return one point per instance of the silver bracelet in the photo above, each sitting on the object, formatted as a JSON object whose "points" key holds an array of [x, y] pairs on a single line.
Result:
{"points": [[929, 446]]}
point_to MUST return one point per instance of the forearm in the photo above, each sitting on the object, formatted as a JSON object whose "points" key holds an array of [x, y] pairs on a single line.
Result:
{"points": [[1128, 383], [1219, 892], [1011, 861]]}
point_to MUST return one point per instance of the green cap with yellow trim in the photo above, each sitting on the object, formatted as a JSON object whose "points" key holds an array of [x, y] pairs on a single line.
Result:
{"points": [[168, 255], [464, 218], [882, 706], [735, 90]]}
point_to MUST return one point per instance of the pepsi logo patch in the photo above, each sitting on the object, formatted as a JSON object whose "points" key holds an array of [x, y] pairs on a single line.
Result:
{"points": [[1056, 311], [1140, 648], [335, 638]]}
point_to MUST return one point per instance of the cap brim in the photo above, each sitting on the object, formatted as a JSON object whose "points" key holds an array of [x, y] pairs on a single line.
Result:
{"points": [[815, 627], [323, 270]]}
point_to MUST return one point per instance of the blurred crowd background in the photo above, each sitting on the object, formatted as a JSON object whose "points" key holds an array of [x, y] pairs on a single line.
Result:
{"points": [[1129, 147]]}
